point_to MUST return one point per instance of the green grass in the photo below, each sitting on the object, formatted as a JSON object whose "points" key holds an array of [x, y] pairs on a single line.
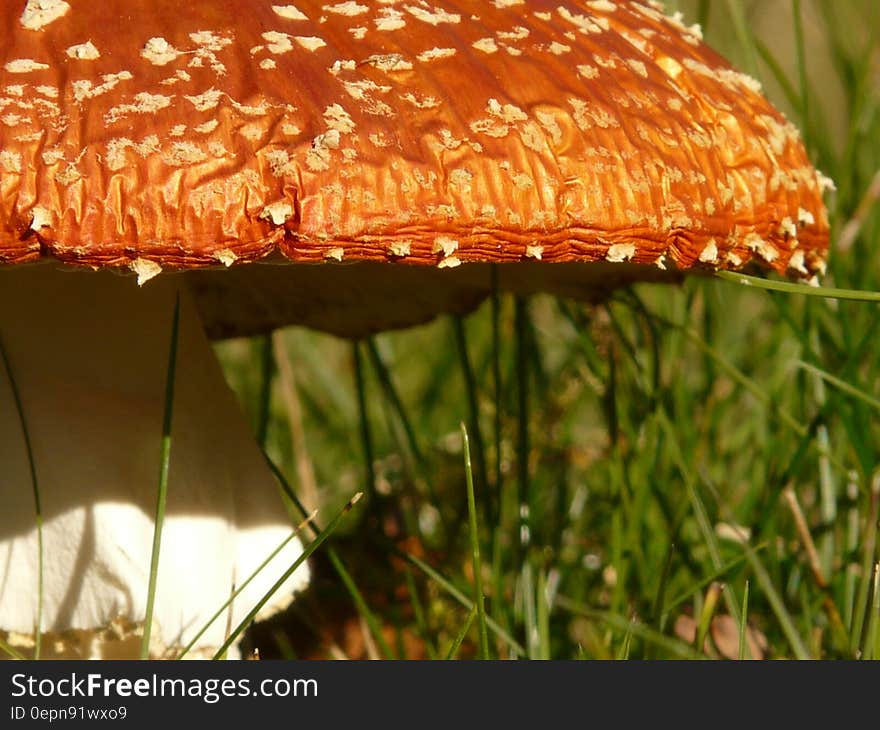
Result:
{"points": [[236, 633], [162, 487], [695, 451]]}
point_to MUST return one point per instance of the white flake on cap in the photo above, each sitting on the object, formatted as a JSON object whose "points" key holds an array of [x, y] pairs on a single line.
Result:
{"points": [[349, 8], [24, 65], [557, 49], [159, 52], [310, 43], [805, 217], [709, 254], [587, 71], [182, 153], [41, 218], [619, 252], [445, 244], [115, 150], [85, 89], [486, 45], [10, 161], [145, 270], [389, 62], [205, 101], [796, 262], [336, 117], [390, 19], [39, 13], [144, 103], [52, 155], [787, 227], [278, 42], [825, 182], [669, 65], [84, 51], [207, 127], [277, 212], [226, 256], [400, 248], [433, 17], [584, 23], [435, 53], [289, 12], [763, 248]]}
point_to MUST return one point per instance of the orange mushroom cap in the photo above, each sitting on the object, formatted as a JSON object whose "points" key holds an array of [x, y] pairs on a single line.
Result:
{"points": [[416, 135]]}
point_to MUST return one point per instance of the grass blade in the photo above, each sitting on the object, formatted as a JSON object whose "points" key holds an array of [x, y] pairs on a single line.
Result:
{"points": [[802, 73], [774, 410], [707, 614], [341, 571], [869, 646], [658, 611], [788, 287], [542, 603], [267, 371], [841, 385], [744, 36], [360, 604], [806, 538], [463, 600], [394, 400], [776, 603], [419, 614], [456, 643], [869, 546], [522, 441], [851, 546], [289, 391], [700, 512], [470, 384], [479, 598], [245, 583], [744, 652], [314, 545], [38, 508], [162, 491], [10, 652], [364, 418], [707, 580], [631, 625], [496, 378], [626, 644]]}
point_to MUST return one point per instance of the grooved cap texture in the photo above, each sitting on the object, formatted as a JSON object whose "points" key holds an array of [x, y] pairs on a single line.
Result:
{"points": [[155, 134]]}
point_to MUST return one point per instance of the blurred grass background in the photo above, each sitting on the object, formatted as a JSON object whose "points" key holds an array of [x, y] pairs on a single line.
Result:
{"points": [[699, 463]]}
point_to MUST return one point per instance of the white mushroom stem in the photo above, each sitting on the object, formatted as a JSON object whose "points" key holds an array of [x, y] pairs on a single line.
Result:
{"points": [[89, 355]]}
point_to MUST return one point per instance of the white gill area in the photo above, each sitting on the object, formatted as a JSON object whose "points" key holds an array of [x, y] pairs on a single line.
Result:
{"points": [[89, 353]]}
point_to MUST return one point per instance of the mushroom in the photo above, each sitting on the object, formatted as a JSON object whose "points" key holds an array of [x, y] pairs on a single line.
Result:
{"points": [[349, 167]]}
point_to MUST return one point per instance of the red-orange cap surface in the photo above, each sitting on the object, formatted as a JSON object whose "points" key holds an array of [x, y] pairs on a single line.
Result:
{"points": [[157, 134]]}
